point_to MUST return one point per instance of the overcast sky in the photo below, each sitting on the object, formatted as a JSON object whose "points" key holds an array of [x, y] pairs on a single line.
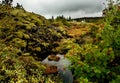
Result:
{"points": [[73, 8]]}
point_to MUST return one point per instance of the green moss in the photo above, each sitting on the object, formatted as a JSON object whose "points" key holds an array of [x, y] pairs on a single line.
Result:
{"points": [[26, 54], [38, 49], [16, 11], [20, 17], [64, 45], [29, 26], [31, 43], [19, 34], [19, 42], [26, 36]]}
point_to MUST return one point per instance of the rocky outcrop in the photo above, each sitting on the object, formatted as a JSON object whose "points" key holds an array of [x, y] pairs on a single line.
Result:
{"points": [[53, 65]]}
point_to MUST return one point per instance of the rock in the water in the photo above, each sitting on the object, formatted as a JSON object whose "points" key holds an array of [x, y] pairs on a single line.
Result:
{"points": [[61, 63], [62, 66]]}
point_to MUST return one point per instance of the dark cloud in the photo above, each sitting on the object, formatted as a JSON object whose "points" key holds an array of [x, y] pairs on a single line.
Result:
{"points": [[73, 8]]}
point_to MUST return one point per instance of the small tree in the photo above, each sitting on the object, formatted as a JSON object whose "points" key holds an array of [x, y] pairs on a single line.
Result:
{"points": [[19, 6], [7, 2], [69, 18], [52, 17]]}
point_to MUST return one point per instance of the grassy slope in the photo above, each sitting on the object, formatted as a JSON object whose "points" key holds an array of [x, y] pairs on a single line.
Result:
{"points": [[19, 30], [14, 17], [29, 32]]}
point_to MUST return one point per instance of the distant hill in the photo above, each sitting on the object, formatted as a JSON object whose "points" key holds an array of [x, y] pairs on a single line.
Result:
{"points": [[88, 19]]}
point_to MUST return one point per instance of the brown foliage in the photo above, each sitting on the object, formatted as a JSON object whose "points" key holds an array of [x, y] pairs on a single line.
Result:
{"points": [[51, 69]]}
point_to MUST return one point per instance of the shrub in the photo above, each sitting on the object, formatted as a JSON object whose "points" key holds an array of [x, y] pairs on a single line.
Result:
{"points": [[99, 62]]}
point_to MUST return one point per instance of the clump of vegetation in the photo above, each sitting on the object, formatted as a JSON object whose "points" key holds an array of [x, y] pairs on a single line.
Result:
{"points": [[23, 69], [14, 68], [29, 32], [23, 38], [99, 62]]}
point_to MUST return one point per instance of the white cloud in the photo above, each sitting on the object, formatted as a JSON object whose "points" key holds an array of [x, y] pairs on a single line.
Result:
{"points": [[73, 8]]}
